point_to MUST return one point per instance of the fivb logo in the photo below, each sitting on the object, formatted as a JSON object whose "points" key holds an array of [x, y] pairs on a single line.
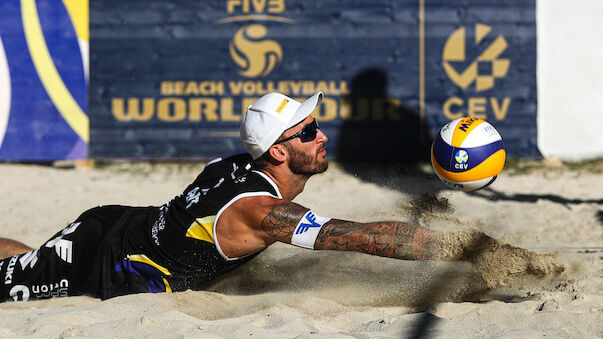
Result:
{"points": [[255, 55]]}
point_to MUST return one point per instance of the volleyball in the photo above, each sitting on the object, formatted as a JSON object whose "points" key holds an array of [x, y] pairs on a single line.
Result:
{"points": [[468, 154]]}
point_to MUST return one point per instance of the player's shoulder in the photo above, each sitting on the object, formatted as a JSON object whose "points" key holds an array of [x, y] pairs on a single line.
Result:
{"points": [[240, 160], [258, 209], [256, 204], [223, 170], [249, 210]]}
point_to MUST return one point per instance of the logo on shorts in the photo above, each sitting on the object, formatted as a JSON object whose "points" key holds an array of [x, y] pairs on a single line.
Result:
{"points": [[29, 259], [51, 290], [19, 293], [41, 291], [304, 227], [8, 278], [63, 247]]}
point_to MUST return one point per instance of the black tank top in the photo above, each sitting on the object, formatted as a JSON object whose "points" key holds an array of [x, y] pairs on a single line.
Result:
{"points": [[180, 241]]}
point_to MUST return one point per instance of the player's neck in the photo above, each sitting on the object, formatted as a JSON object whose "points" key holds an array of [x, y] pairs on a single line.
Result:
{"points": [[289, 184]]}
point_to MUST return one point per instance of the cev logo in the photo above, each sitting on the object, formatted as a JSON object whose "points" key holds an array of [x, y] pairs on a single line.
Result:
{"points": [[484, 68], [461, 156]]}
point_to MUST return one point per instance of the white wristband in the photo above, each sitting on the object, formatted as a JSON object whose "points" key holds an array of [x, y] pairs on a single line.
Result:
{"points": [[307, 230]]}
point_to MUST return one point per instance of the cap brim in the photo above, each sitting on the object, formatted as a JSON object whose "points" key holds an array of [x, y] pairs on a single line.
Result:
{"points": [[306, 108]]}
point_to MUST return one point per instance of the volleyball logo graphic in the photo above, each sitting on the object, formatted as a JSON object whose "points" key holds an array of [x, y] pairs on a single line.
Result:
{"points": [[468, 154], [254, 56]]}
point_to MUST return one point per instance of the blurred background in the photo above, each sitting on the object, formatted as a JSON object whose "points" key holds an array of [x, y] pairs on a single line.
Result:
{"points": [[171, 79]]}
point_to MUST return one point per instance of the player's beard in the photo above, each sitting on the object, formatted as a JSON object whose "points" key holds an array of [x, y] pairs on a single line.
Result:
{"points": [[302, 163]]}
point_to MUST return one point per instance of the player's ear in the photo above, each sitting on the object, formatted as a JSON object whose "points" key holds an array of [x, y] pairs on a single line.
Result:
{"points": [[278, 152]]}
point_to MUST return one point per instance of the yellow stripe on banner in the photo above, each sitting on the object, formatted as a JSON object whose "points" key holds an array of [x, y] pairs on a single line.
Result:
{"points": [[145, 260], [56, 89], [462, 130], [202, 229], [488, 168], [78, 11]]}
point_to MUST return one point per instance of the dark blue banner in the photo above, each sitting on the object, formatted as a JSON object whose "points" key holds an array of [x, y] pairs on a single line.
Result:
{"points": [[480, 61], [172, 79]]}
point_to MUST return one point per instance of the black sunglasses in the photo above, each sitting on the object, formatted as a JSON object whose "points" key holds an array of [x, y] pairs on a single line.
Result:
{"points": [[308, 133]]}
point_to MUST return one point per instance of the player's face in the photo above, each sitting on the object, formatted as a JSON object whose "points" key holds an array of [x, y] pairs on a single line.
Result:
{"points": [[310, 156]]}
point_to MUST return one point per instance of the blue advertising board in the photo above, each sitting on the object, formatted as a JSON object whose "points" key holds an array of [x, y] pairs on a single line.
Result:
{"points": [[172, 79], [43, 85], [480, 59]]}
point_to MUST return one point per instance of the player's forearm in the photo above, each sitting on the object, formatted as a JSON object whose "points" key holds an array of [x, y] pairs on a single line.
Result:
{"points": [[385, 238]]}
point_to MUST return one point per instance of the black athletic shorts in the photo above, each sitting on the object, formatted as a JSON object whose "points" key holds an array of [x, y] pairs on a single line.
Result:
{"points": [[77, 260]]}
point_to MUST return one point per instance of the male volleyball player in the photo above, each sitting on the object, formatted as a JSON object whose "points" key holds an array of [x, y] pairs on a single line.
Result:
{"points": [[234, 209]]}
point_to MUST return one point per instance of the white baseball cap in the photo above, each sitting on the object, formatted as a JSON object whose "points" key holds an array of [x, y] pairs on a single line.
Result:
{"points": [[267, 118]]}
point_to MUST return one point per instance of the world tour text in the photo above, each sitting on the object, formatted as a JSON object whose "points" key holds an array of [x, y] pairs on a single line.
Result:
{"points": [[195, 109]]}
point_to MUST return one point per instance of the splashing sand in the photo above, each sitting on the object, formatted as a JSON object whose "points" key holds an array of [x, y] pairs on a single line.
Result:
{"points": [[497, 262]]}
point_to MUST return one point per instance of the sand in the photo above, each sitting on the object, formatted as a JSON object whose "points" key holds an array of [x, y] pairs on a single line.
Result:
{"points": [[536, 269]]}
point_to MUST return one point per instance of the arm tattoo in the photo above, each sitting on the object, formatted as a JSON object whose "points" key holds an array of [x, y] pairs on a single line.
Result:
{"points": [[282, 219], [387, 238]]}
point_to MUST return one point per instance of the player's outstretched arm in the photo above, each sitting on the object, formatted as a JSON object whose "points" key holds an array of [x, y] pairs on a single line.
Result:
{"points": [[385, 238], [392, 239], [290, 222]]}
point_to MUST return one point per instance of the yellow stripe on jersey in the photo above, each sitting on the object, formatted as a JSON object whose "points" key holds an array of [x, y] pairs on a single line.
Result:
{"points": [[145, 260], [488, 168], [202, 229], [462, 130], [168, 288]]}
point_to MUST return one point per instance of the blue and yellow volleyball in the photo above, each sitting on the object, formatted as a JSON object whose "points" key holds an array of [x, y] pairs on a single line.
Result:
{"points": [[468, 154]]}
